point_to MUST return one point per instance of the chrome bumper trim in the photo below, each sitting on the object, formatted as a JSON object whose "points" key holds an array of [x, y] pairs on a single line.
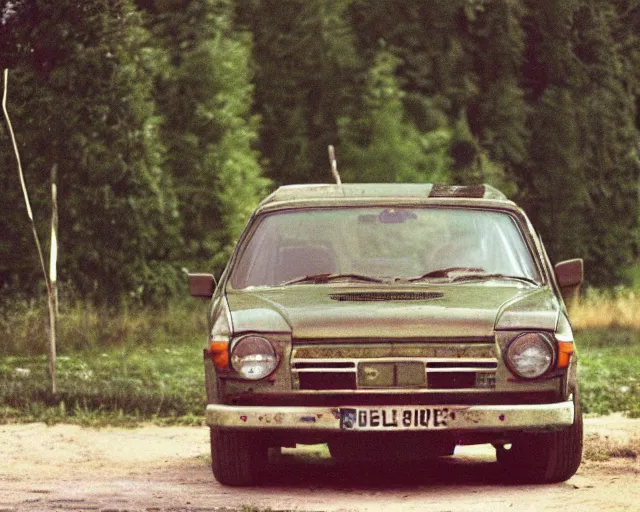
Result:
{"points": [[448, 417]]}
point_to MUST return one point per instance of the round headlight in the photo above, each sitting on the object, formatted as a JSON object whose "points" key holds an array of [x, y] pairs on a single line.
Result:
{"points": [[530, 355], [253, 357]]}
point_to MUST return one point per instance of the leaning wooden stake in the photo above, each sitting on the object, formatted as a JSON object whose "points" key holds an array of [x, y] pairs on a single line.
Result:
{"points": [[334, 165], [53, 278], [53, 252], [50, 291]]}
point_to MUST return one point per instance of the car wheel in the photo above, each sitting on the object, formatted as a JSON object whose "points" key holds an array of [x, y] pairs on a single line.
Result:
{"points": [[548, 457], [237, 458]]}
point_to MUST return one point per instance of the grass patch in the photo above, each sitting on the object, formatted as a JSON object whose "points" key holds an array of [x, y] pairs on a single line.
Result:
{"points": [[609, 371], [113, 367], [24, 325], [607, 309], [119, 386], [600, 449], [164, 383], [146, 365]]}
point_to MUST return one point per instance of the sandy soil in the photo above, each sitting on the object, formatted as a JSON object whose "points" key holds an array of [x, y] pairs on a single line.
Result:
{"points": [[151, 468]]}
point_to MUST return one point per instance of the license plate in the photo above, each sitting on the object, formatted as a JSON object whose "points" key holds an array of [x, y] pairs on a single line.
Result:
{"points": [[396, 418]]}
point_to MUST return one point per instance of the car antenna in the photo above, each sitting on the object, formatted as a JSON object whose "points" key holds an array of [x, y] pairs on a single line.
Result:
{"points": [[334, 165]]}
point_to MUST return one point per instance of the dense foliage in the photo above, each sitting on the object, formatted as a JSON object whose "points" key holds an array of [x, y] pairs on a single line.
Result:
{"points": [[82, 100], [167, 120]]}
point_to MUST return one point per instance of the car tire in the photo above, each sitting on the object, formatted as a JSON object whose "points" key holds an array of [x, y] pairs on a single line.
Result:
{"points": [[547, 457], [237, 458]]}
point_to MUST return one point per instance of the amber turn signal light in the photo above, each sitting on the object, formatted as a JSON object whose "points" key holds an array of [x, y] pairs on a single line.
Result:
{"points": [[219, 351], [565, 350]]}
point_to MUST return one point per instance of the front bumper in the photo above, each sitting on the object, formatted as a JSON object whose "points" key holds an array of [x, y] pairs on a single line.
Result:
{"points": [[393, 418]]}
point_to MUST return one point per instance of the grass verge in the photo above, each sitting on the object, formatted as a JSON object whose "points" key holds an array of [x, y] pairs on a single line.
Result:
{"points": [[609, 371], [146, 365], [599, 449], [607, 309], [120, 386], [84, 327]]}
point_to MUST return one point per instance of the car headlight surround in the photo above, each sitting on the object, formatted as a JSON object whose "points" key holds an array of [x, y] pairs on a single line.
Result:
{"points": [[253, 357], [530, 355]]}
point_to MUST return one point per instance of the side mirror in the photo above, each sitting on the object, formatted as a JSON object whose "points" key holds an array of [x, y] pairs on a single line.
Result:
{"points": [[201, 285], [570, 275]]}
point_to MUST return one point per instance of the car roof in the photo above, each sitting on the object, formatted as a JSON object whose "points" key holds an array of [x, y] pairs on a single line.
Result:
{"points": [[383, 193]]}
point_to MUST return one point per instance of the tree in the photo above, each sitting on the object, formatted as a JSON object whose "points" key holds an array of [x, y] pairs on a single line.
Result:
{"points": [[459, 64], [204, 93], [582, 175], [308, 74], [539, 97], [381, 144], [497, 113], [82, 100]]}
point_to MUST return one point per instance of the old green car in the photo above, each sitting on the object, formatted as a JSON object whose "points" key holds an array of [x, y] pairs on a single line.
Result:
{"points": [[394, 321]]}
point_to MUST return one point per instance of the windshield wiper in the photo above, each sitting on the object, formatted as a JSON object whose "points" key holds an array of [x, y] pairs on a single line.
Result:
{"points": [[444, 272], [325, 278], [469, 274], [483, 277]]}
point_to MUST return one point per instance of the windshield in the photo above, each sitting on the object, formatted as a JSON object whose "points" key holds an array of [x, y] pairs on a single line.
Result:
{"points": [[387, 243]]}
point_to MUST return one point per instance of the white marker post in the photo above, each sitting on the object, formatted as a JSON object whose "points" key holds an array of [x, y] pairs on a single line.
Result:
{"points": [[52, 312]]}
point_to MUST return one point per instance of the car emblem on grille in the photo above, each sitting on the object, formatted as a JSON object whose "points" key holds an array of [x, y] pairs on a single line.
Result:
{"points": [[371, 374], [400, 374]]}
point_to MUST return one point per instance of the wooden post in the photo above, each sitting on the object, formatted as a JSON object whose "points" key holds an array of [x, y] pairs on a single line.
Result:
{"points": [[53, 278], [334, 165], [52, 348]]}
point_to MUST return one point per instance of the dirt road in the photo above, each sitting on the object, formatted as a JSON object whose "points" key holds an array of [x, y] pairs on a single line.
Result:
{"points": [[167, 468]]}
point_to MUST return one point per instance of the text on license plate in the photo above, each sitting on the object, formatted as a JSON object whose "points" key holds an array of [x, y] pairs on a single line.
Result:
{"points": [[388, 418]]}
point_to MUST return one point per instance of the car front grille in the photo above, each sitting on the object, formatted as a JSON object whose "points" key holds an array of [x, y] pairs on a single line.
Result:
{"points": [[436, 370], [345, 399]]}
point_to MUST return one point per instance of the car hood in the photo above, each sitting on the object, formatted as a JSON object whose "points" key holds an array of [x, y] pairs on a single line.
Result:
{"points": [[310, 312]]}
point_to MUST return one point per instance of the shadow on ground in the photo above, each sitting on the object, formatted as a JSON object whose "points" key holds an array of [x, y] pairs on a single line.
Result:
{"points": [[319, 470]]}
